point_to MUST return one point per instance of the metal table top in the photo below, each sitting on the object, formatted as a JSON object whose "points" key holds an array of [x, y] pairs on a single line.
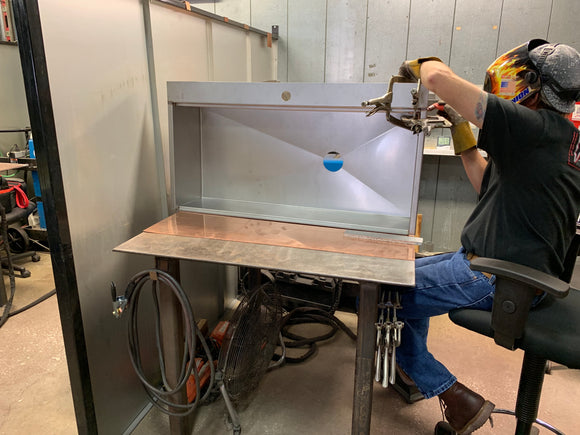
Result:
{"points": [[11, 166], [296, 248]]}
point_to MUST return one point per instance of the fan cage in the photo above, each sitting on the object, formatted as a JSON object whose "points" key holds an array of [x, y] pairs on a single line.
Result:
{"points": [[251, 340]]}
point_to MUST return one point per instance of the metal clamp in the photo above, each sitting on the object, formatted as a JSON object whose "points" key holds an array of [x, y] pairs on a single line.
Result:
{"points": [[412, 122]]}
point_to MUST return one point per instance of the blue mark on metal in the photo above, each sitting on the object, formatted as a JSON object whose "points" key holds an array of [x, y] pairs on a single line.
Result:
{"points": [[333, 161]]}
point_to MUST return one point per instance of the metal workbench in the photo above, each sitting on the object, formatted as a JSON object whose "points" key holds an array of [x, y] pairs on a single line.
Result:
{"points": [[362, 257]]}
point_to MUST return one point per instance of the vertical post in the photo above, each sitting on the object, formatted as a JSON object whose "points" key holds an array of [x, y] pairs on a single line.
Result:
{"points": [[365, 352], [172, 337]]}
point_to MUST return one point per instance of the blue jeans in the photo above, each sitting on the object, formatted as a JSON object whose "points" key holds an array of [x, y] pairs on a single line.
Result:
{"points": [[442, 283]]}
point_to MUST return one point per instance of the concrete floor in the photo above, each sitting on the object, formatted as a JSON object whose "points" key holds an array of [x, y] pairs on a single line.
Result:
{"points": [[310, 398]]}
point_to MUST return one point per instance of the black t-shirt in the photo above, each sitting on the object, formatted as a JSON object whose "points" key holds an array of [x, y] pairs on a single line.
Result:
{"points": [[530, 195]]}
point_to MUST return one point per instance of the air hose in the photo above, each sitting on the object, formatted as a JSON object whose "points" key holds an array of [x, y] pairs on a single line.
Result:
{"points": [[304, 315], [160, 395]]}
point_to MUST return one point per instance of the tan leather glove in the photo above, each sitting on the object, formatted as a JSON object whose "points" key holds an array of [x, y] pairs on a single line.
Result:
{"points": [[411, 69], [463, 138]]}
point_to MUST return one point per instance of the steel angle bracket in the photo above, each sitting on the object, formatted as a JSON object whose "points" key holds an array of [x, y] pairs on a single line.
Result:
{"points": [[410, 116]]}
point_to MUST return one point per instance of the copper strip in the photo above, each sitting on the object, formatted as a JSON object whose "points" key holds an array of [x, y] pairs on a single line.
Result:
{"points": [[236, 229]]}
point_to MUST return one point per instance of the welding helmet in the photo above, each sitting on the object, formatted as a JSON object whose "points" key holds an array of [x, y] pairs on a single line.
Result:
{"points": [[513, 76], [537, 66]]}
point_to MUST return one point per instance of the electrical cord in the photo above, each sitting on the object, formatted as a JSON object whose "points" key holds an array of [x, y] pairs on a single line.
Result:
{"points": [[33, 303], [303, 315], [160, 395]]}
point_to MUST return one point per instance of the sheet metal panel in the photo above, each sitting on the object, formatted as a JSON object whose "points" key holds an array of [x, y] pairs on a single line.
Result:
{"points": [[264, 16], [175, 60], [208, 5], [522, 21], [262, 58], [430, 29], [230, 53], [102, 111], [262, 151], [345, 41], [306, 40], [237, 10], [564, 23], [475, 35], [386, 38]]}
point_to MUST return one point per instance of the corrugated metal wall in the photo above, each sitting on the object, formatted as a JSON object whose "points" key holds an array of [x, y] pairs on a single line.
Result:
{"points": [[366, 40]]}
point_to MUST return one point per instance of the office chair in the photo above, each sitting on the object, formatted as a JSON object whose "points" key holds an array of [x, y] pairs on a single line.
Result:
{"points": [[549, 332], [18, 240], [17, 208]]}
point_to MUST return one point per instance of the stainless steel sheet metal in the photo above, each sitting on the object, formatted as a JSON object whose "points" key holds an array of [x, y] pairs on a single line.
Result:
{"points": [[267, 161]]}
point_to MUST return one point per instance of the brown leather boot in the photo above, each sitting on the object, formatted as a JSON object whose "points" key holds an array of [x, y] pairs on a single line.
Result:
{"points": [[465, 410]]}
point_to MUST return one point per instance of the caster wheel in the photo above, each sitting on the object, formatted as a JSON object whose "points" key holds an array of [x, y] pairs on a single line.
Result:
{"points": [[18, 240], [35, 258], [444, 428], [25, 274]]}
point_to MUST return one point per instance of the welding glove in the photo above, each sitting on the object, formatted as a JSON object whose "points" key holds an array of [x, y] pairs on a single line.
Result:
{"points": [[411, 69], [463, 138]]}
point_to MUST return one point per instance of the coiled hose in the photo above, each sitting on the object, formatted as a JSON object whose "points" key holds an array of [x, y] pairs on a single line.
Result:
{"points": [[160, 395]]}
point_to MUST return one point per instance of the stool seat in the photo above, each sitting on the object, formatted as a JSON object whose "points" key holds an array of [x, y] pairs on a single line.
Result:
{"points": [[552, 330]]}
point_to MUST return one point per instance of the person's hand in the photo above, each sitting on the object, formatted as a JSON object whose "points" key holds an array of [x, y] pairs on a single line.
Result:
{"points": [[463, 138], [411, 69]]}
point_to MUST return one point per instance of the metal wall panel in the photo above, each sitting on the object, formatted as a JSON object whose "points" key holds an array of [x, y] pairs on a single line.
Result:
{"points": [[565, 23], [475, 35], [263, 66], [181, 51], [345, 41], [306, 40], [386, 38], [430, 29], [454, 201], [13, 110], [105, 128], [522, 21], [264, 16], [102, 111], [237, 10], [230, 54], [208, 5]]}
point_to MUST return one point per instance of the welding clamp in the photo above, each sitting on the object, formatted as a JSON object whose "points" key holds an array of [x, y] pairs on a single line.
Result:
{"points": [[410, 117]]}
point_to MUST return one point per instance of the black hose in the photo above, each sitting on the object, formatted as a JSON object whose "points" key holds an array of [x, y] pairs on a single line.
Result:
{"points": [[304, 315], [33, 303], [160, 395]]}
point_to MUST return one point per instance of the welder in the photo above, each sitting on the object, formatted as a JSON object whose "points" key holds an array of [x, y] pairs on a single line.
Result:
{"points": [[529, 198]]}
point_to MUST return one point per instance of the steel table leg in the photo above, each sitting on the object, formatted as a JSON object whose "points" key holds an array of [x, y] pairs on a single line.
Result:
{"points": [[365, 355], [172, 338]]}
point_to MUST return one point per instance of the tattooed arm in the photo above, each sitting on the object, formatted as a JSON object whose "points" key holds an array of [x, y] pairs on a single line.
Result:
{"points": [[468, 100], [465, 97]]}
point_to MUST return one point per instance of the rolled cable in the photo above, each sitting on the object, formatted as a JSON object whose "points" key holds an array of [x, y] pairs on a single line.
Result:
{"points": [[192, 333]]}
